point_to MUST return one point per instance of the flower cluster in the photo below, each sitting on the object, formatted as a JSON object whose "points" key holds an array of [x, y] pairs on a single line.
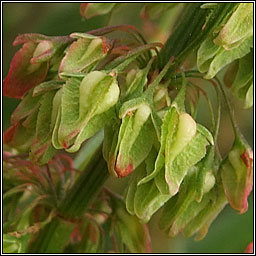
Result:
{"points": [[72, 87]]}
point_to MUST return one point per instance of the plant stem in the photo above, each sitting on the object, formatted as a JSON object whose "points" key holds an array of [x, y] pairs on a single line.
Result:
{"points": [[86, 187], [230, 109], [55, 236]]}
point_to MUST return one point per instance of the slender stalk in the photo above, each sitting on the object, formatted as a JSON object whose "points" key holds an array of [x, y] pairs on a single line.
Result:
{"points": [[229, 107], [149, 92], [217, 120]]}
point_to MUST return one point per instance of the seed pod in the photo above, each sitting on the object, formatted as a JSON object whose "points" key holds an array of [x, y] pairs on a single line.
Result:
{"points": [[161, 98], [205, 178], [242, 86], [238, 28], [237, 175], [133, 233], [89, 10], [182, 208], [21, 134], [183, 144], [201, 223], [211, 58], [27, 106], [145, 199], [135, 81], [234, 41], [84, 53], [133, 144], [86, 106], [42, 149], [19, 137], [30, 64]]}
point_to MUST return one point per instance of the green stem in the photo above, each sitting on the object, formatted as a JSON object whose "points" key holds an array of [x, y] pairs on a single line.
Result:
{"points": [[217, 120], [55, 236], [121, 62], [193, 19], [126, 28], [229, 107], [149, 92], [86, 187]]}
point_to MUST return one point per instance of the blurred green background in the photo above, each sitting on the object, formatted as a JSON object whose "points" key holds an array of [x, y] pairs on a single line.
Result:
{"points": [[230, 232]]}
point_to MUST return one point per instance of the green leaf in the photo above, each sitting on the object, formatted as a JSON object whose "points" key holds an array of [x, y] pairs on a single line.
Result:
{"points": [[95, 124], [69, 111], [132, 187], [205, 132], [144, 200], [98, 112], [110, 142], [136, 81], [207, 51]]}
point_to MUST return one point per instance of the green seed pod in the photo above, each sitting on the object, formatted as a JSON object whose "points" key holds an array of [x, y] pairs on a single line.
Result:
{"points": [[30, 65], [84, 53], [86, 106], [183, 144], [133, 145], [201, 223], [89, 10], [22, 131], [211, 58], [145, 199], [134, 234], [161, 97], [42, 149], [237, 175], [182, 208], [242, 86], [135, 81], [238, 28]]}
